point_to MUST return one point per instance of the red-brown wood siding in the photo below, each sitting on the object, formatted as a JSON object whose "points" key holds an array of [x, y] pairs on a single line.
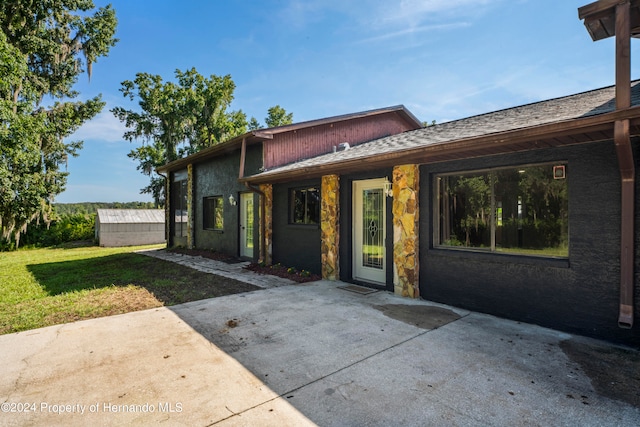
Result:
{"points": [[305, 143]]}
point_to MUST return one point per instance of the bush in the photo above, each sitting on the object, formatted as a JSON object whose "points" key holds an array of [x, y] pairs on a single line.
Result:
{"points": [[67, 228]]}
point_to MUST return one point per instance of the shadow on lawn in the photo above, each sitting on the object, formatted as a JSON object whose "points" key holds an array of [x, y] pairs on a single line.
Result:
{"points": [[168, 282]]}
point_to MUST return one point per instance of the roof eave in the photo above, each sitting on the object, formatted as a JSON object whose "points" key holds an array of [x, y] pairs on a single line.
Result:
{"points": [[568, 132], [229, 146], [401, 110], [267, 134]]}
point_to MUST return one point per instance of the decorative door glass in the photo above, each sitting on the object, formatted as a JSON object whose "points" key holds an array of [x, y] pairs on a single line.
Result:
{"points": [[249, 222], [373, 228]]}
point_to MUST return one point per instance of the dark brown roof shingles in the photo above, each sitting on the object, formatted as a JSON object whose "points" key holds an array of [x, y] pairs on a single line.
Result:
{"points": [[577, 106]]}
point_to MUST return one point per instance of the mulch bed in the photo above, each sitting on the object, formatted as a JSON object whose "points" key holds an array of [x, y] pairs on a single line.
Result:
{"points": [[281, 271]]}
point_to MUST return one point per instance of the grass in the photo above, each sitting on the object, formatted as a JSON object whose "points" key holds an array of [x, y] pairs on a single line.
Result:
{"points": [[43, 287], [545, 252]]}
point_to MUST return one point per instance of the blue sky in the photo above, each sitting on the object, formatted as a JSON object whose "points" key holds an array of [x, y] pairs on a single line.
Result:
{"points": [[442, 59]]}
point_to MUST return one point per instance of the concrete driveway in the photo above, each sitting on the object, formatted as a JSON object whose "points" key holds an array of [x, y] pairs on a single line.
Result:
{"points": [[313, 354]]}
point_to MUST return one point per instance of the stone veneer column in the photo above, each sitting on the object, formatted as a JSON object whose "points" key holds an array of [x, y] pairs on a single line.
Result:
{"points": [[267, 189], [405, 230], [190, 206], [167, 210], [330, 226]]}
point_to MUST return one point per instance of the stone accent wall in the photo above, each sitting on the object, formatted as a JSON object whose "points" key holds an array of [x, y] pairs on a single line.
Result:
{"points": [[405, 230], [330, 226], [190, 206], [167, 210], [267, 189]]}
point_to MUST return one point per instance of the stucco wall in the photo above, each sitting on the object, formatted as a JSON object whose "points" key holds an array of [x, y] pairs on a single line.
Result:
{"points": [[578, 295], [219, 177]]}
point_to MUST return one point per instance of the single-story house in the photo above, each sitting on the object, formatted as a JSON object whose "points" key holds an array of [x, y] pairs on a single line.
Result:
{"points": [[130, 227], [208, 208], [527, 213], [515, 213]]}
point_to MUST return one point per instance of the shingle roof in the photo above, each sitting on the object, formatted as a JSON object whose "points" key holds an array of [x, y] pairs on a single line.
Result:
{"points": [[129, 216], [268, 133], [582, 105]]}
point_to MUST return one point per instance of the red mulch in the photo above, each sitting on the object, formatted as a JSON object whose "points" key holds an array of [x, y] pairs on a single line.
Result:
{"points": [[281, 271]]}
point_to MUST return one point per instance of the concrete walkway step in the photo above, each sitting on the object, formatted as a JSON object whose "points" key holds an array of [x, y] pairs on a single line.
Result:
{"points": [[237, 271]]}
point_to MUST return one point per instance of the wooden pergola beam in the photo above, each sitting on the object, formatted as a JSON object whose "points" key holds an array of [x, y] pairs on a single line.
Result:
{"points": [[600, 18], [596, 8]]}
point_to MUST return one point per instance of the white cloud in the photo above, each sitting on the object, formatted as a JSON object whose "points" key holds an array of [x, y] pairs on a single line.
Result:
{"points": [[380, 15], [370, 21], [414, 30], [104, 127], [408, 11]]}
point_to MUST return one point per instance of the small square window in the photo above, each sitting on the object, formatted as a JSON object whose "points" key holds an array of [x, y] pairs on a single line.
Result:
{"points": [[304, 206], [213, 213]]}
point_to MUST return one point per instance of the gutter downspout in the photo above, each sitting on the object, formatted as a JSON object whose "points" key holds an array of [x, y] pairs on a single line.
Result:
{"points": [[627, 176], [263, 202], [624, 152]]}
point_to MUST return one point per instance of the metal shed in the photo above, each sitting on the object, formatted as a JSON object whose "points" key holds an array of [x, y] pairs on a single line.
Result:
{"points": [[129, 227]]}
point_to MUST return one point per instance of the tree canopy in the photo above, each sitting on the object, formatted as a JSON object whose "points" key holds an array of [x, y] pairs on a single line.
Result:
{"points": [[44, 46], [178, 118], [276, 116]]}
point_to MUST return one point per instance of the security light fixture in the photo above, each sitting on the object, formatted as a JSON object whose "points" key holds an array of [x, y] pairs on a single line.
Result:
{"points": [[388, 188]]}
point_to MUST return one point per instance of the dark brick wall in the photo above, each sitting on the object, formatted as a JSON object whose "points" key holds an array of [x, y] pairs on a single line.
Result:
{"points": [[294, 245], [578, 295]]}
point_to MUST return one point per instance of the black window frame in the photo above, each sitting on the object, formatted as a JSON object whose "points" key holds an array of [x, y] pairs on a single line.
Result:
{"points": [[210, 205], [495, 223], [310, 206]]}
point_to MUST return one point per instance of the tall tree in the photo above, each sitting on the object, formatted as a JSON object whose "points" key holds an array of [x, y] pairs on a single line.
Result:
{"points": [[276, 116], [42, 47], [177, 119], [254, 124]]}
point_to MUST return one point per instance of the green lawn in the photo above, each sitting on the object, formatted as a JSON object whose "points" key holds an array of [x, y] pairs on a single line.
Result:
{"points": [[42, 287]]}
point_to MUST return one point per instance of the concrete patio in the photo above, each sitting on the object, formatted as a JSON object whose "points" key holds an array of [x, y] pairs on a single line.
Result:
{"points": [[313, 354]]}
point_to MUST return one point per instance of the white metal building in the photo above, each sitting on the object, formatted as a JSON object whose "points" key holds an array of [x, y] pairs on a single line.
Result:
{"points": [[130, 227]]}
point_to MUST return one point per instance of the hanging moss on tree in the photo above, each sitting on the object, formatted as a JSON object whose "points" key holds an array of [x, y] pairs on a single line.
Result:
{"points": [[44, 47]]}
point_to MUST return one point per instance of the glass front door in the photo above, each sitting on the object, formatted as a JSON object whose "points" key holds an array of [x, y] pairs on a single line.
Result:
{"points": [[246, 225], [369, 216]]}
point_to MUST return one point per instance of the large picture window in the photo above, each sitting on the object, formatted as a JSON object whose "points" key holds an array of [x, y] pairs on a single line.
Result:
{"points": [[304, 206], [213, 213], [522, 210]]}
